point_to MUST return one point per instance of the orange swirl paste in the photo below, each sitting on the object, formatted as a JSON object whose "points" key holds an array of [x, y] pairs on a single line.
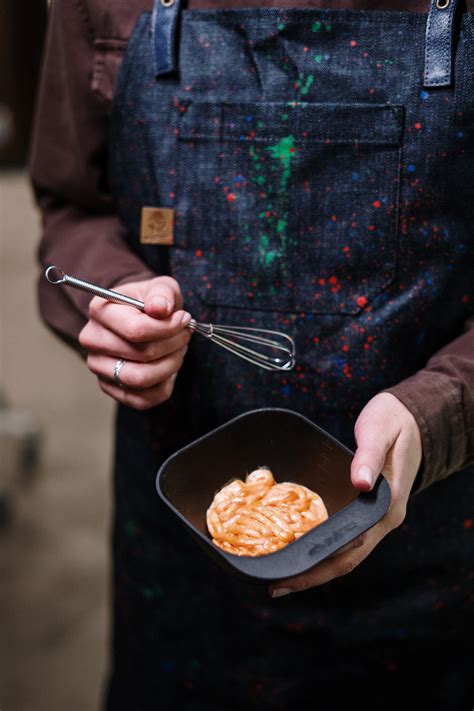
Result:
{"points": [[259, 516]]}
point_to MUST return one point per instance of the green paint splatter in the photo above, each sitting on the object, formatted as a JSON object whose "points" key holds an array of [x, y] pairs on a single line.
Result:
{"points": [[131, 528], [153, 593], [281, 225], [328, 27], [269, 257], [316, 26], [284, 117], [304, 85], [284, 151], [281, 26], [318, 58]]}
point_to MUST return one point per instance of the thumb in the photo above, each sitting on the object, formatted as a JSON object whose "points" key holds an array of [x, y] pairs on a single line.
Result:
{"points": [[160, 299], [374, 439]]}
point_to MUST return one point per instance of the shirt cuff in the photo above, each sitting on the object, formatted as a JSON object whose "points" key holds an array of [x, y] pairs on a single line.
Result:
{"points": [[436, 404]]}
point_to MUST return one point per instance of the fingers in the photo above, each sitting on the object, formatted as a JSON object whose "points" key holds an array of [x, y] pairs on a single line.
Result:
{"points": [[141, 400], [333, 567], [96, 339], [163, 297], [137, 376], [376, 430], [356, 543], [134, 326]]}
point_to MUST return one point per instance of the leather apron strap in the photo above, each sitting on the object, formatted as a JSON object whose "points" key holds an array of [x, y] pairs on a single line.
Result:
{"points": [[164, 27], [439, 43]]}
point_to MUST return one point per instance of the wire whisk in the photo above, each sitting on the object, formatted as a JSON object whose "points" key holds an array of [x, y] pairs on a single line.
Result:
{"points": [[267, 349]]}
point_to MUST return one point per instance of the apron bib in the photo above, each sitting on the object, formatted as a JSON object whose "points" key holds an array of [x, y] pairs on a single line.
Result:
{"points": [[319, 169]]}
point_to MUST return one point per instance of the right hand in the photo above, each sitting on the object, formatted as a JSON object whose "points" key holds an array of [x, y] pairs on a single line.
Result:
{"points": [[153, 343]]}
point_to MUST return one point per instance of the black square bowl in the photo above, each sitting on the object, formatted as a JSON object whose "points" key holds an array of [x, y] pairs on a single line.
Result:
{"points": [[296, 450]]}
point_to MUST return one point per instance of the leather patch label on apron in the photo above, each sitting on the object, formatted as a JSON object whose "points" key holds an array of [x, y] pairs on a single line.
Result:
{"points": [[157, 225]]}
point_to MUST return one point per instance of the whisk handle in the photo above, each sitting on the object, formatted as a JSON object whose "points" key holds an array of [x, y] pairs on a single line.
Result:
{"points": [[114, 296]]}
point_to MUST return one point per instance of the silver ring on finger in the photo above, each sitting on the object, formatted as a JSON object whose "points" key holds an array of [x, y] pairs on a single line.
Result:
{"points": [[118, 367]]}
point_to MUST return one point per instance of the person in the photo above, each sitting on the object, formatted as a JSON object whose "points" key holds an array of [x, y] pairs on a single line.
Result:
{"points": [[291, 164]]}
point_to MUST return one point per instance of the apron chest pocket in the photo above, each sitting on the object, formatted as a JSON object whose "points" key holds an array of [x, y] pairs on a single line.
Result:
{"points": [[288, 206]]}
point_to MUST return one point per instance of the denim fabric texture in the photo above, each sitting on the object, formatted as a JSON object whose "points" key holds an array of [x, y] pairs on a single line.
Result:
{"points": [[318, 188]]}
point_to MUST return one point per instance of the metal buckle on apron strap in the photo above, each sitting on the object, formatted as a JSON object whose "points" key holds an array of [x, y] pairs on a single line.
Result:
{"points": [[164, 23], [439, 43]]}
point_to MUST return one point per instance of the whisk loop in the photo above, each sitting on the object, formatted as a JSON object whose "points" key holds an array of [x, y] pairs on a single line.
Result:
{"points": [[276, 350]]}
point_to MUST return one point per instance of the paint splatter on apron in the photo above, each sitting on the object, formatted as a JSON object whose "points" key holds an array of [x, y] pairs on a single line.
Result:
{"points": [[321, 184]]}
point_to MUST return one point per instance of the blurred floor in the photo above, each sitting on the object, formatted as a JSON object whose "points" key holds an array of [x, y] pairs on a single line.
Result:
{"points": [[53, 557]]}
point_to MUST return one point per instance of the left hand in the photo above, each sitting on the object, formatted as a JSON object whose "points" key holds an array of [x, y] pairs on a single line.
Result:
{"points": [[388, 441]]}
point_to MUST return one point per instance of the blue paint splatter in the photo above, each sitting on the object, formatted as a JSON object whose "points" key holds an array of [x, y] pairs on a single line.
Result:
{"points": [[168, 665]]}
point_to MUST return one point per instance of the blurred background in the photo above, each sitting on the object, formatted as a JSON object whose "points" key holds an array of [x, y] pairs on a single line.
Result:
{"points": [[55, 442]]}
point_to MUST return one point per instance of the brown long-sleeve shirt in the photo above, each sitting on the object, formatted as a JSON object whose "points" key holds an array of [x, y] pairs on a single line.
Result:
{"points": [[84, 48]]}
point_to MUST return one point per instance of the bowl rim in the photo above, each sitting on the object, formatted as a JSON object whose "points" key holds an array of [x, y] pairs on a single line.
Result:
{"points": [[337, 530]]}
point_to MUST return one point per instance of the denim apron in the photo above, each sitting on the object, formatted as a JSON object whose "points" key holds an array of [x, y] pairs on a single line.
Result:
{"points": [[319, 168]]}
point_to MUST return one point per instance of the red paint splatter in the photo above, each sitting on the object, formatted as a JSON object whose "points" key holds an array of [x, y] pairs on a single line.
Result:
{"points": [[231, 197], [468, 523], [295, 626], [316, 339], [345, 348], [322, 281], [334, 218], [332, 280], [353, 43], [361, 301], [371, 228], [305, 49], [376, 203], [418, 126], [345, 249], [198, 253]]}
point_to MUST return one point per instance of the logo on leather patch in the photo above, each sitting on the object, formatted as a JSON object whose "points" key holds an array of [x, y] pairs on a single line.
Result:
{"points": [[157, 225]]}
